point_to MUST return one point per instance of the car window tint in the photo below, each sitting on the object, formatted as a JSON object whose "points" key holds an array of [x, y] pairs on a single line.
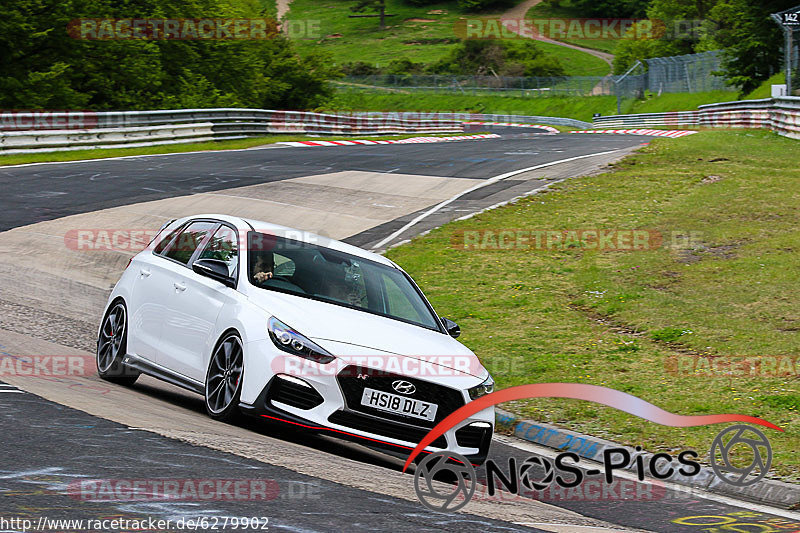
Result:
{"points": [[400, 303], [186, 243], [223, 247], [321, 273]]}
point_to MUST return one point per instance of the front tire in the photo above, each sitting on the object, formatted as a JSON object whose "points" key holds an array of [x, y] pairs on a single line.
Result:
{"points": [[112, 345], [224, 379]]}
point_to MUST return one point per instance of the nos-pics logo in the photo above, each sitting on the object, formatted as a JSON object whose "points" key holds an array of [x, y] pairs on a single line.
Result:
{"points": [[446, 481]]}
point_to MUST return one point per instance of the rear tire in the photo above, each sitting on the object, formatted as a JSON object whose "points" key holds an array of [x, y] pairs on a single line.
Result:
{"points": [[224, 379], [112, 345]]}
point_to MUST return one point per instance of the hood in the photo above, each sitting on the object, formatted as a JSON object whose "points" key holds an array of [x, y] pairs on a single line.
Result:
{"points": [[350, 333]]}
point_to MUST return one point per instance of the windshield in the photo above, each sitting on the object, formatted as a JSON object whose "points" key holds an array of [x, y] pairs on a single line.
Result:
{"points": [[319, 273]]}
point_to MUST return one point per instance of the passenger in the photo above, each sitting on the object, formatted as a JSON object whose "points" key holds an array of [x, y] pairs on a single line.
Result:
{"points": [[263, 267]]}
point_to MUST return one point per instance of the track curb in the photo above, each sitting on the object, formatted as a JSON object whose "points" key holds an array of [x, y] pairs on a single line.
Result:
{"points": [[767, 492]]}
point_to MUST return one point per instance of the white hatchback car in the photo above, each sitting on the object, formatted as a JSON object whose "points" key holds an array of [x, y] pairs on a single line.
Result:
{"points": [[295, 328]]}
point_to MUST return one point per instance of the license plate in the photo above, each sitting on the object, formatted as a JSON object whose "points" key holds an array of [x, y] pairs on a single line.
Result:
{"points": [[401, 405]]}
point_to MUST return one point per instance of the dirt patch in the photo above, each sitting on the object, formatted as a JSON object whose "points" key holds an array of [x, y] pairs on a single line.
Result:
{"points": [[334, 36], [632, 331], [437, 12], [698, 253], [419, 20], [713, 178]]}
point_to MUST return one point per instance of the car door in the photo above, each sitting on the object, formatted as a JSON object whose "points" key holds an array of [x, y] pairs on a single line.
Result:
{"points": [[195, 304], [147, 304]]}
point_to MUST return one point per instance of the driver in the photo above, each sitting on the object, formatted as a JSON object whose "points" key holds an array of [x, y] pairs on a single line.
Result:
{"points": [[263, 267]]}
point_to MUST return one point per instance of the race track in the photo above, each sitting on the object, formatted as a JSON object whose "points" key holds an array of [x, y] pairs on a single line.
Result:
{"points": [[60, 430]]}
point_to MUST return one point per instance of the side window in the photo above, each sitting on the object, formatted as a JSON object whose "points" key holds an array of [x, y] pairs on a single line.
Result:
{"points": [[186, 243], [398, 302], [166, 239], [223, 246]]}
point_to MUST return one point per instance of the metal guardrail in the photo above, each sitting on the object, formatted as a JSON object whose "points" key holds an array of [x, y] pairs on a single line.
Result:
{"points": [[80, 130], [676, 118], [781, 115], [62, 140], [150, 128], [482, 117]]}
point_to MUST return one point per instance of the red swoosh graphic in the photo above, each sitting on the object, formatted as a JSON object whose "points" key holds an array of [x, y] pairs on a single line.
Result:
{"points": [[580, 391]]}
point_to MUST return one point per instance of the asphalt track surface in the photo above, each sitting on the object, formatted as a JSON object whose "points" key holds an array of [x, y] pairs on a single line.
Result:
{"points": [[45, 192], [47, 446]]}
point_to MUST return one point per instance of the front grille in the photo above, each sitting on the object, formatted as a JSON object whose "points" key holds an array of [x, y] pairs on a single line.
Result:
{"points": [[383, 428], [472, 436], [353, 379], [294, 394]]}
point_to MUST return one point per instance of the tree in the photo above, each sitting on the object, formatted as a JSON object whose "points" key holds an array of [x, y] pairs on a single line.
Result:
{"points": [[42, 66], [751, 40], [472, 6], [609, 8]]}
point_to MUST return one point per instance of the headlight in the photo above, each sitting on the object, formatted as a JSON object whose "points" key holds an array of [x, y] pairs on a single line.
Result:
{"points": [[290, 341], [480, 390]]}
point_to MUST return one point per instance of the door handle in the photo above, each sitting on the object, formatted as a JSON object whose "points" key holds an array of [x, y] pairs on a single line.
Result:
{"points": [[179, 286], [144, 272]]}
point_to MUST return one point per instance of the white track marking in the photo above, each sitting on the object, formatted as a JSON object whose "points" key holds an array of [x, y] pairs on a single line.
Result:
{"points": [[269, 147], [479, 186]]}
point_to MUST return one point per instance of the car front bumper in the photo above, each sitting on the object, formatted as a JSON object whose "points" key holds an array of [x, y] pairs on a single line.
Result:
{"points": [[328, 412]]}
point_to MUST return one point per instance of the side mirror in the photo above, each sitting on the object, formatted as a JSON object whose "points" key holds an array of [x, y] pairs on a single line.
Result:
{"points": [[452, 328], [214, 269]]}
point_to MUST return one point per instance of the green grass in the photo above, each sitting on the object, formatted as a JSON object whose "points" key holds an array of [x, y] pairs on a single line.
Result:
{"points": [[680, 101], [546, 10], [765, 89], [618, 319], [80, 155], [359, 39], [575, 62], [581, 108]]}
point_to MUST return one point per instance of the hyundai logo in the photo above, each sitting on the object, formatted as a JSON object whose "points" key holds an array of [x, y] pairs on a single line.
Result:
{"points": [[404, 387]]}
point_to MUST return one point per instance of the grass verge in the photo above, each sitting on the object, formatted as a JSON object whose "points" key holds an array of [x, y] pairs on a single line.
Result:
{"points": [[581, 108], [721, 284], [80, 155]]}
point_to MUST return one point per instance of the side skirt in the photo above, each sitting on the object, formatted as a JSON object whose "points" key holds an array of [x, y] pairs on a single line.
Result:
{"points": [[158, 372]]}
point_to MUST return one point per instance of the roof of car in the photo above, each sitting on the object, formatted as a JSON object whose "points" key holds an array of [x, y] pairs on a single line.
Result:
{"points": [[299, 235]]}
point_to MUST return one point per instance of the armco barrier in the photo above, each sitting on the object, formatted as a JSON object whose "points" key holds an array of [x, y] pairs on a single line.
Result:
{"points": [[24, 133], [781, 115], [61, 140], [483, 117], [643, 120], [149, 128]]}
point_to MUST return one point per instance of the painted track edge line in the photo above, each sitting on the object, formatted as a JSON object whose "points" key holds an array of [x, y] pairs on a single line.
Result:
{"points": [[484, 183]]}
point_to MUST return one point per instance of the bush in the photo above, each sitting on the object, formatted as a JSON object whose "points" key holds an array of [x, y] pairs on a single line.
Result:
{"points": [[484, 5], [501, 58], [359, 68]]}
